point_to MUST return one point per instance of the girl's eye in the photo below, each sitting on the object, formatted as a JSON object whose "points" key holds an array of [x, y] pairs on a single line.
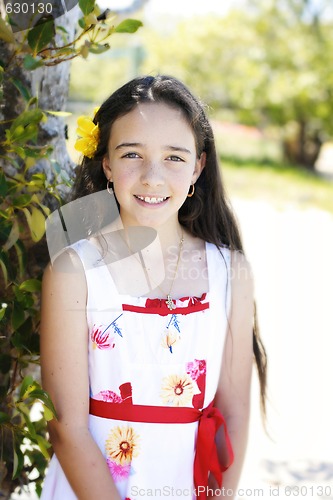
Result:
{"points": [[174, 158], [131, 155]]}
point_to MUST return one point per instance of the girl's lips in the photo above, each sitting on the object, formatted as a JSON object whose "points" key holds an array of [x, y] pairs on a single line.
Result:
{"points": [[151, 200]]}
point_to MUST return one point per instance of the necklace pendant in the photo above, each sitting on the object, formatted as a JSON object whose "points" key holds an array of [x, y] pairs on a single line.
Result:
{"points": [[170, 303]]}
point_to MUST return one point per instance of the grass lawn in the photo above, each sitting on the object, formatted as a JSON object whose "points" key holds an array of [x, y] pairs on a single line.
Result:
{"points": [[279, 184]]}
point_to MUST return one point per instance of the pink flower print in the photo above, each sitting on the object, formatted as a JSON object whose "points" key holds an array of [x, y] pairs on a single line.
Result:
{"points": [[118, 471], [101, 339], [196, 368], [108, 396]]}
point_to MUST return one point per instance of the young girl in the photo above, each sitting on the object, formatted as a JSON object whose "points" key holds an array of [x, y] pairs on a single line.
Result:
{"points": [[147, 335]]}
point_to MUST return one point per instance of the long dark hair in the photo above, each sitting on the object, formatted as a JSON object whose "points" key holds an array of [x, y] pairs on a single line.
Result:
{"points": [[208, 214]]}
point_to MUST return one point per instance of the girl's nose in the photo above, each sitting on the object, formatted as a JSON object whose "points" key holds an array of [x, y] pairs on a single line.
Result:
{"points": [[152, 174]]}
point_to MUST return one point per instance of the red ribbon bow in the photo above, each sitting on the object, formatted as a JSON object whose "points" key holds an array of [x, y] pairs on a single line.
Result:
{"points": [[206, 457]]}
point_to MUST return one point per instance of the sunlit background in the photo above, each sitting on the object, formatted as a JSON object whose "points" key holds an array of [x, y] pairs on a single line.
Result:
{"points": [[264, 69]]}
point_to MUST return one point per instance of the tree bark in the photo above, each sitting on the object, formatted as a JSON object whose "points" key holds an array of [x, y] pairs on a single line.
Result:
{"points": [[50, 85], [304, 147]]}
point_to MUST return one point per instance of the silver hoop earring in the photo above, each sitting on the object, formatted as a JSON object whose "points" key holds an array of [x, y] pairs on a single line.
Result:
{"points": [[109, 186], [191, 193]]}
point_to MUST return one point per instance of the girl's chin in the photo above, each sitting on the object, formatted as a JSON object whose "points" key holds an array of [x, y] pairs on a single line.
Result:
{"points": [[155, 222]]}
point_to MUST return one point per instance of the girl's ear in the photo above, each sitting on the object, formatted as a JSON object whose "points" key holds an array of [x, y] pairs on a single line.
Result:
{"points": [[199, 166], [106, 168]]}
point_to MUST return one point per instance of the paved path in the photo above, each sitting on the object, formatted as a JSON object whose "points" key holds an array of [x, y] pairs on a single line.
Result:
{"points": [[291, 253]]}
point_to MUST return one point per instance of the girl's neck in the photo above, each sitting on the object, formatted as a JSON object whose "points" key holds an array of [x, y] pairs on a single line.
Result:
{"points": [[168, 235]]}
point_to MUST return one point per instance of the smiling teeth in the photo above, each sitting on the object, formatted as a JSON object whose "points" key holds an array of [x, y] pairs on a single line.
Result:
{"points": [[147, 199]]}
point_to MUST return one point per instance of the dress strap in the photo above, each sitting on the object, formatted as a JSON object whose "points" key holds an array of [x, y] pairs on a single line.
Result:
{"points": [[210, 419]]}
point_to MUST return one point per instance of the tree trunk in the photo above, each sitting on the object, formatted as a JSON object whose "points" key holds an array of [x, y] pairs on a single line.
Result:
{"points": [[50, 85], [303, 147]]}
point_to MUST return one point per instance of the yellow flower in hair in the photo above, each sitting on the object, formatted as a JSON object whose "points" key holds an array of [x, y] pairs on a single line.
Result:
{"points": [[88, 133]]}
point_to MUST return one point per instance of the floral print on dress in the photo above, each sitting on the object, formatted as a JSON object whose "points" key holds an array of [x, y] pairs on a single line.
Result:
{"points": [[197, 371], [196, 368], [109, 397], [178, 390], [125, 396], [172, 333], [101, 338], [120, 447]]}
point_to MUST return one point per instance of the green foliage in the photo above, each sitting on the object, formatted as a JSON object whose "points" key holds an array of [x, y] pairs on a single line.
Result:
{"points": [[25, 194], [87, 6], [128, 26], [268, 64], [41, 35]]}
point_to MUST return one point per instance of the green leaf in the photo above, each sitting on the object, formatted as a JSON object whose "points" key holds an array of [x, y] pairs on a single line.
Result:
{"points": [[128, 26], [25, 384], [4, 214], [41, 35], [13, 236], [6, 33], [32, 285], [21, 256], [18, 460], [18, 316], [48, 414], [43, 446], [31, 434], [36, 223], [39, 178], [32, 101], [82, 23], [44, 398], [87, 6], [22, 89], [23, 408], [21, 200], [58, 113], [4, 418], [31, 63], [6, 267], [2, 313], [28, 117], [97, 48], [3, 184]]}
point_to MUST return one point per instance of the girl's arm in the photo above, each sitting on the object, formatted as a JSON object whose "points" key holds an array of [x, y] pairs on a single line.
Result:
{"points": [[64, 362], [233, 394]]}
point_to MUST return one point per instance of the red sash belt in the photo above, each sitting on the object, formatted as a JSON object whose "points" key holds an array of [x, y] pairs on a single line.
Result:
{"points": [[210, 419]]}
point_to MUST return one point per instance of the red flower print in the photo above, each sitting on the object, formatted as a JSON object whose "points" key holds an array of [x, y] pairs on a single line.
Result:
{"points": [[101, 339], [108, 396], [118, 471], [196, 368]]}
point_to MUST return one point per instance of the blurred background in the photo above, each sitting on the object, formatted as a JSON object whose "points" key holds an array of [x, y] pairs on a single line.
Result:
{"points": [[264, 68]]}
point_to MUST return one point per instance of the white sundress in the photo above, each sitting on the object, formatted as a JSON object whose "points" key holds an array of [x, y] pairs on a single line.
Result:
{"points": [[141, 351]]}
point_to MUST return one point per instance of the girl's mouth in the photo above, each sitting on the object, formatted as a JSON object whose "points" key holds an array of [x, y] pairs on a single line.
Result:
{"points": [[152, 200]]}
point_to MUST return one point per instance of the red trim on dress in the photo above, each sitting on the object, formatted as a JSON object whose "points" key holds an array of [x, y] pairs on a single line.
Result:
{"points": [[159, 306]]}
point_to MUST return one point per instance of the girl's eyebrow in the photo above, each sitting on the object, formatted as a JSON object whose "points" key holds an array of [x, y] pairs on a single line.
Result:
{"points": [[138, 144], [129, 145], [178, 148]]}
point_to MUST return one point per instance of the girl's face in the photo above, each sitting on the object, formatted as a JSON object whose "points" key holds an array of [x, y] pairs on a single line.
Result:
{"points": [[152, 162]]}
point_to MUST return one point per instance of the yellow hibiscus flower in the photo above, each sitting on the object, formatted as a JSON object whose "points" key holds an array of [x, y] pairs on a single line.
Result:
{"points": [[122, 445], [88, 133], [178, 390]]}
